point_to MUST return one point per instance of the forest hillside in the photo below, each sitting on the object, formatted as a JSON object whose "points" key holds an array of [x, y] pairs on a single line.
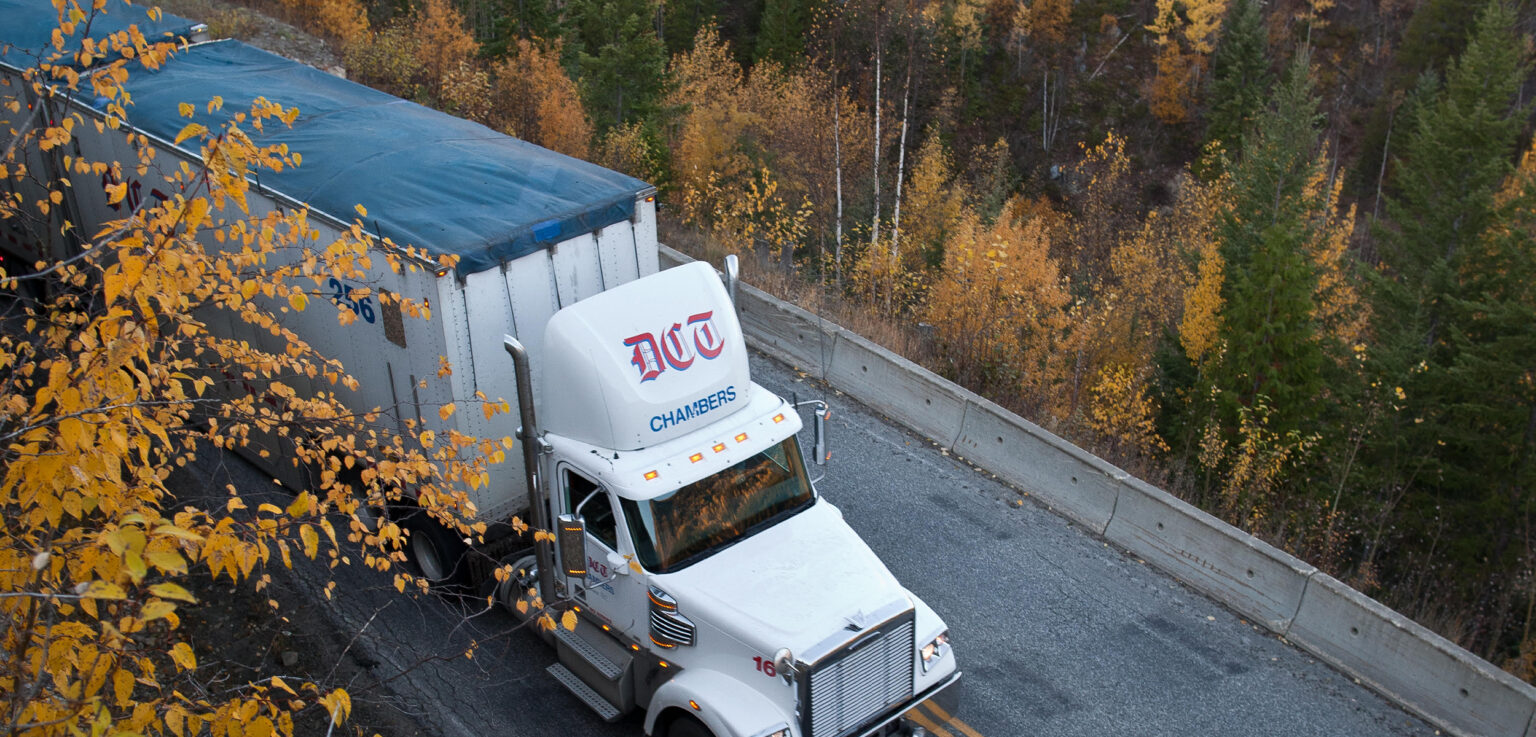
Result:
{"points": [[1276, 257]]}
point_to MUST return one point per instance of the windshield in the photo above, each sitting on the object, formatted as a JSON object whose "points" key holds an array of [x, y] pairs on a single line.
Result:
{"points": [[693, 522]]}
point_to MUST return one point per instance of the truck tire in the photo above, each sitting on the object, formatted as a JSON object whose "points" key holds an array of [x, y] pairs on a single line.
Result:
{"points": [[437, 554], [687, 726], [525, 575]]}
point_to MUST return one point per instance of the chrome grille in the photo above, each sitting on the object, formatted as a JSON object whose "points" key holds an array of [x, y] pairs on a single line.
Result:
{"points": [[670, 629], [873, 674]]}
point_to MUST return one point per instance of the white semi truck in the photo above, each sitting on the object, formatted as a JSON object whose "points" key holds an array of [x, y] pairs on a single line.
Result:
{"points": [[716, 590]]}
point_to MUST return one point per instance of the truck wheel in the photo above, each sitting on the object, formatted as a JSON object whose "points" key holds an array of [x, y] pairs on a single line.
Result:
{"points": [[525, 576], [437, 553], [687, 726]]}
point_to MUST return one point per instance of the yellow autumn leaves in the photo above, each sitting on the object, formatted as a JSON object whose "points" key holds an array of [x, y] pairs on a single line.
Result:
{"points": [[113, 375]]}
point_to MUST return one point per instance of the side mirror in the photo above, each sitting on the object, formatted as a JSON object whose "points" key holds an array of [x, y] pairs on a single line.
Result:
{"points": [[732, 276], [572, 539]]}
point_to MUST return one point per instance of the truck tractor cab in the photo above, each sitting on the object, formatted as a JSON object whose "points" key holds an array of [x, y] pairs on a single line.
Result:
{"points": [[716, 589]]}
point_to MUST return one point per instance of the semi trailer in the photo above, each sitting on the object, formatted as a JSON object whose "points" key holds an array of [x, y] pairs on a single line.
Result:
{"points": [[716, 590]]}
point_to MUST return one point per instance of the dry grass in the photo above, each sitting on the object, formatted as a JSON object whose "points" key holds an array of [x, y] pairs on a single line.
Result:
{"points": [[897, 333], [258, 27], [808, 291]]}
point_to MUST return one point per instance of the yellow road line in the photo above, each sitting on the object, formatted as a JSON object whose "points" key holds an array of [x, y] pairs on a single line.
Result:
{"points": [[945, 717], [927, 722]]}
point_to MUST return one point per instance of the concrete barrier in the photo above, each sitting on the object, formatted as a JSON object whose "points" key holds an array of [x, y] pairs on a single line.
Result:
{"points": [[786, 332], [1225, 563], [669, 256], [897, 387], [1408, 663], [1062, 475]]}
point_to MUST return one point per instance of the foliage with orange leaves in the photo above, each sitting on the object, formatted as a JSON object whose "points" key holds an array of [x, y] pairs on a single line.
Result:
{"points": [[729, 130], [1000, 308], [442, 41], [628, 148], [1105, 208], [112, 374], [417, 58], [534, 99], [1151, 282], [1139, 291], [935, 204], [1186, 33], [1342, 311], [1120, 408], [705, 139], [344, 21], [1046, 23]]}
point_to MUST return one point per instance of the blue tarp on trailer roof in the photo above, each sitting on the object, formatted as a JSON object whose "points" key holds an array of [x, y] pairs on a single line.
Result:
{"points": [[27, 29], [426, 178]]}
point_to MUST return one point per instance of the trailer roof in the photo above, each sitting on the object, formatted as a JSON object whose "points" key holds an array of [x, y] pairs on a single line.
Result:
{"points": [[27, 29], [427, 179]]}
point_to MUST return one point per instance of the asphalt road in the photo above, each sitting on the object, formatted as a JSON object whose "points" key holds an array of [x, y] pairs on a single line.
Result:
{"points": [[1057, 632]]}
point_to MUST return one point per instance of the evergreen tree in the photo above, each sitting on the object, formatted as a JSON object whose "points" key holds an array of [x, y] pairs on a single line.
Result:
{"points": [[524, 19], [1490, 426], [1436, 34], [1240, 78], [1457, 153], [683, 19], [781, 35], [1272, 342], [622, 61], [1489, 418], [1455, 338]]}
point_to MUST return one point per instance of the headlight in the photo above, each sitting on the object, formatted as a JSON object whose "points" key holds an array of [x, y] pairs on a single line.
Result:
{"points": [[935, 651], [780, 731]]}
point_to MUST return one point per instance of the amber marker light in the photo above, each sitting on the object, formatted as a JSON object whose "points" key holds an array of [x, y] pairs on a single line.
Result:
{"points": [[718, 447], [778, 418], [651, 475], [741, 438], [693, 704], [696, 457], [661, 604], [665, 664]]}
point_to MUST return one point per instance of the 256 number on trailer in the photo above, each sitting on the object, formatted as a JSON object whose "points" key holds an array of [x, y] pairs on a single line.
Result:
{"points": [[362, 307]]}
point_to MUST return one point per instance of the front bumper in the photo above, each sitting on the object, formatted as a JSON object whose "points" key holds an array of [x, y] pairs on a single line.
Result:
{"points": [[945, 693]]}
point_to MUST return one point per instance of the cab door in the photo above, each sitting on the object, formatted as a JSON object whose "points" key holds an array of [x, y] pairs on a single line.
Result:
{"points": [[611, 589]]}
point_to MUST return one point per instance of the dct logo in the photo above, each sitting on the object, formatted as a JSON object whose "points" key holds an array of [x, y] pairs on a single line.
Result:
{"points": [[679, 346]]}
